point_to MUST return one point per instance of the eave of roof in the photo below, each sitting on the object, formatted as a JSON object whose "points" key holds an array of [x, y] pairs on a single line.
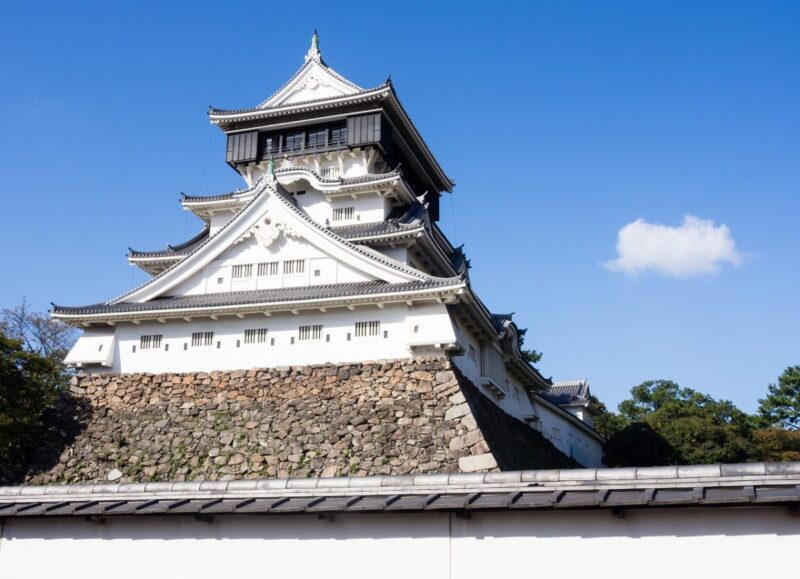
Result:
{"points": [[384, 92], [752, 484], [254, 301], [171, 251]]}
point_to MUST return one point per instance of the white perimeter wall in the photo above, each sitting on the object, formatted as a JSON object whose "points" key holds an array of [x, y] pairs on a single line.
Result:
{"points": [[725, 543], [432, 323]]}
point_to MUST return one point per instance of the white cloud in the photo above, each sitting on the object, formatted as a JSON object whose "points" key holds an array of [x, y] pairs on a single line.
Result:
{"points": [[696, 247]]}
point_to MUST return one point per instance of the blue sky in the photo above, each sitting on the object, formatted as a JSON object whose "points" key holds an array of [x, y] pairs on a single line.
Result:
{"points": [[561, 123]]}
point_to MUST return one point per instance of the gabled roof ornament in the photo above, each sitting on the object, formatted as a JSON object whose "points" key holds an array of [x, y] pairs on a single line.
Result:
{"points": [[313, 52]]}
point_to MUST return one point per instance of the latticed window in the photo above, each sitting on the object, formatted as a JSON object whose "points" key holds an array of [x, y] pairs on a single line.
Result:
{"points": [[343, 213], [329, 172], [293, 141], [364, 329], [270, 145], [202, 339], [267, 268], [150, 342], [242, 271], [338, 136], [310, 333], [294, 266], [316, 139], [256, 336]]}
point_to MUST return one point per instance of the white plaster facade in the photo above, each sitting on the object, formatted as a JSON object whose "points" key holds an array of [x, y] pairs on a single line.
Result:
{"points": [[727, 543]]}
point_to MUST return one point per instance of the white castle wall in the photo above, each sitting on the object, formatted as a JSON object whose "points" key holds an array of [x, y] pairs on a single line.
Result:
{"points": [[566, 436], [283, 346], [555, 425], [319, 269], [367, 208], [570, 544]]}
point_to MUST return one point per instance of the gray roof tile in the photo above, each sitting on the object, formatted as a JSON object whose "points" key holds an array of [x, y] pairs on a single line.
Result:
{"points": [[280, 295]]}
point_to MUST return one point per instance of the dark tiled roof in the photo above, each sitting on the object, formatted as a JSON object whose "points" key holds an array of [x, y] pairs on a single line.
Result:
{"points": [[243, 298], [399, 220], [499, 320], [178, 250], [718, 486], [344, 181], [561, 393]]}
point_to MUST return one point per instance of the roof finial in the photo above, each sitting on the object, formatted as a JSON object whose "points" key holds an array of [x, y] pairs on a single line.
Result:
{"points": [[313, 52]]}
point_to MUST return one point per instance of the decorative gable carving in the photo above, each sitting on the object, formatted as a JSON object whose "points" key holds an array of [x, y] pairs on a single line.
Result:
{"points": [[267, 231], [313, 81]]}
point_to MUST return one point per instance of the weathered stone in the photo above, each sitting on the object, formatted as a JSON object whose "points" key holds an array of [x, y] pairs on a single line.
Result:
{"points": [[457, 411], [390, 417], [477, 463]]}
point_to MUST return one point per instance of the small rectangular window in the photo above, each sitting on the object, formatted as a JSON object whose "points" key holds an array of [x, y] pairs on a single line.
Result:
{"points": [[338, 136], [472, 354], [267, 269], [150, 342], [344, 213], [255, 336], [202, 339], [293, 141], [310, 332], [316, 139], [270, 145], [364, 329], [294, 266], [242, 271]]}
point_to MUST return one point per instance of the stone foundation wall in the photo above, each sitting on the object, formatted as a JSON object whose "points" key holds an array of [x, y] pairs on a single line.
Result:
{"points": [[398, 417]]}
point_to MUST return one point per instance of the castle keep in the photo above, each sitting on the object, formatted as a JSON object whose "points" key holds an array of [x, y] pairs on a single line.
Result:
{"points": [[329, 256]]}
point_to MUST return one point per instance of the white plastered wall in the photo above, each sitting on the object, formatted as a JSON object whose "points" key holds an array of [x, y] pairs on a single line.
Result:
{"points": [[367, 207], [723, 543], [569, 438], [218, 276], [283, 346]]}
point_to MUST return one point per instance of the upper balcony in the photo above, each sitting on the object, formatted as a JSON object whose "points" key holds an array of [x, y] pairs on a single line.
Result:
{"points": [[355, 131], [249, 151]]}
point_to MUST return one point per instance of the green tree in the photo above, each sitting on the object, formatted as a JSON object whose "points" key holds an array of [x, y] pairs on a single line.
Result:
{"points": [[38, 332], [29, 385], [695, 426], [781, 407], [638, 444], [778, 445]]}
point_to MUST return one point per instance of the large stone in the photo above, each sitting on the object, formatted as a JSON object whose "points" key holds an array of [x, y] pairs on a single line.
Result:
{"points": [[477, 463], [391, 417]]}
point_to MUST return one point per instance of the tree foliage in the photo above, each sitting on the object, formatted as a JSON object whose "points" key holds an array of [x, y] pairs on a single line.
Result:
{"points": [[781, 406], [38, 333], [29, 385], [637, 444], [688, 427]]}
